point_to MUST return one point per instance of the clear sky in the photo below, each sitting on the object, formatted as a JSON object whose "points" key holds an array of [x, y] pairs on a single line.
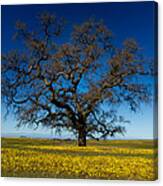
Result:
{"points": [[126, 20]]}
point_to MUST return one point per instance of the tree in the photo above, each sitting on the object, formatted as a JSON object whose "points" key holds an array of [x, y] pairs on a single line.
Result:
{"points": [[72, 85]]}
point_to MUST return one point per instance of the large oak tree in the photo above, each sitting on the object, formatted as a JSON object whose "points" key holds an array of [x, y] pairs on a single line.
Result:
{"points": [[73, 84]]}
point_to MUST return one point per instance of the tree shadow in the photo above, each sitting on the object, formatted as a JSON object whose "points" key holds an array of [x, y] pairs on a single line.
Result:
{"points": [[81, 153]]}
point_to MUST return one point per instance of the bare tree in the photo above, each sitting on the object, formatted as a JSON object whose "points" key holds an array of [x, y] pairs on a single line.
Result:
{"points": [[72, 85]]}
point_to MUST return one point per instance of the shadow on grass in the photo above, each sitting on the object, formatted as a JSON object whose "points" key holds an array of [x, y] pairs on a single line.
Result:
{"points": [[80, 153], [141, 144]]}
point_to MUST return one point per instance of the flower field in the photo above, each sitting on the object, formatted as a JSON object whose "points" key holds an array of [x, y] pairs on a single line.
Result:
{"points": [[116, 159]]}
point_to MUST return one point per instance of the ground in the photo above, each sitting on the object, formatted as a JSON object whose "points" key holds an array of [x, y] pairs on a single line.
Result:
{"points": [[109, 159]]}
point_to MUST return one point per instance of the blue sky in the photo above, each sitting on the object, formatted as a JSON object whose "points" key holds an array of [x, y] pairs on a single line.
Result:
{"points": [[126, 20]]}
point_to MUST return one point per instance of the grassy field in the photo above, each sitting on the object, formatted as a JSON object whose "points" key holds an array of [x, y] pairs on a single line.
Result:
{"points": [[118, 159]]}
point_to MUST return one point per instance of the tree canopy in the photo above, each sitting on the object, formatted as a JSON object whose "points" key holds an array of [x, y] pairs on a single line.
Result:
{"points": [[72, 84]]}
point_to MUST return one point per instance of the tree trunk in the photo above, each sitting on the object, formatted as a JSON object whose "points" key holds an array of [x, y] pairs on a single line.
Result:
{"points": [[82, 136]]}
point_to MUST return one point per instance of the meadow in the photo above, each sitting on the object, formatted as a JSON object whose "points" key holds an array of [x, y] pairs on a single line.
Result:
{"points": [[49, 158]]}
